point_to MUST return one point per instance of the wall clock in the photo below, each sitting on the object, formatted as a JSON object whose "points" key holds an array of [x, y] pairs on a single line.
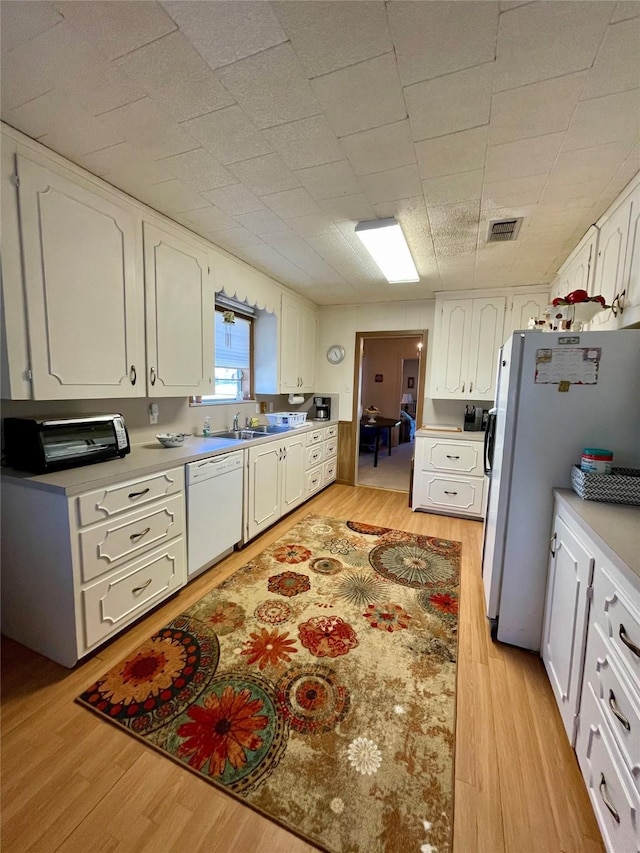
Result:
{"points": [[335, 354]]}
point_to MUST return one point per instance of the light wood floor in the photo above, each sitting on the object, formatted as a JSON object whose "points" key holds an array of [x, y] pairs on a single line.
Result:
{"points": [[72, 782]]}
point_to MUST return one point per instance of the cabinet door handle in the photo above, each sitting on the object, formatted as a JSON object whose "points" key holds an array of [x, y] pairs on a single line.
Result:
{"points": [[623, 636], [138, 589], [152, 376], [135, 536], [450, 493], [452, 457], [463, 384], [616, 711], [470, 387], [605, 799], [551, 544], [133, 495], [133, 376]]}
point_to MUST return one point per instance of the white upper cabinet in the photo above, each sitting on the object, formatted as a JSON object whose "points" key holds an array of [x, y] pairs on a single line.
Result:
{"points": [[578, 270], [83, 304], [298, 331], [632, 263], [468, 335], [610, 265], [522, 308], [180, 314]]}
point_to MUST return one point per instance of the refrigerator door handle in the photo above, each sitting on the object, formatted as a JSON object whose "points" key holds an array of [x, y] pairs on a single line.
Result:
{"points": [[489, 438]]}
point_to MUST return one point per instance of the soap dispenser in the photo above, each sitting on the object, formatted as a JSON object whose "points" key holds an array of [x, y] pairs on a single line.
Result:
{"points": [[206, 429]]}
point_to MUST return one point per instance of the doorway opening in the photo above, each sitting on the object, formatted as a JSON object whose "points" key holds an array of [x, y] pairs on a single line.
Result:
{"points": [[387, 406]]}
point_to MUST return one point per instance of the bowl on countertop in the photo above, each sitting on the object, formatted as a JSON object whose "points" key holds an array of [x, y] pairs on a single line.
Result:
{"points": [[173, 439]]}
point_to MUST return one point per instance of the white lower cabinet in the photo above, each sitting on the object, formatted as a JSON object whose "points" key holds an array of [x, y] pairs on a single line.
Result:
{"points": [[78, 569], [591, 649], [448, 475]]}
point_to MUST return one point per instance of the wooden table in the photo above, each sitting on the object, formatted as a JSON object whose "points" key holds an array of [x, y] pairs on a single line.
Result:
{"points": [[379, 425]]}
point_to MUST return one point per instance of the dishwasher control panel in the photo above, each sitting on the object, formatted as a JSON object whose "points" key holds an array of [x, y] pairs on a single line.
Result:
{"points": [[214, 466]]}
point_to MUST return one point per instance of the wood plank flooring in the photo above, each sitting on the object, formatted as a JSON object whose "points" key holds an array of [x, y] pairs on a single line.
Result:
{"points": [[71, 782]]}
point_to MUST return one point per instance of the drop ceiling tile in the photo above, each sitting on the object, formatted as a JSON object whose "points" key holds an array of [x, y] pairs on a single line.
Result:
{"points": [[142, 124], [300, 253], [454, 227], [21, 81], [447, 104], [381, 148], [393, 184], [583, 194], [271, 87], [191, 98], [262, 222], [535, 110], [172, 197], [234, 200], [520, 159], [228, 134], [624, 10], [612, 118], [237, 238], [225, 32], [270, 261], [458, 267], [125, 160], [171, 59], [101, 88], [540, 41], [198, 170], [116, 28], [517, 191], [452, 153], [264, 175], [338, 253], [305, 143], [330, 180], [311, 226], [617, 66], [355, 207], [588, 164], [23, 21], [449, 189], [432, 39], [208, 220], [292, 203], [362, 96], [328, 36]]}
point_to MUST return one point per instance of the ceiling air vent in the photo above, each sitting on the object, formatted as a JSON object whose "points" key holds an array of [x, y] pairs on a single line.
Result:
{"points": [[501, 230]]}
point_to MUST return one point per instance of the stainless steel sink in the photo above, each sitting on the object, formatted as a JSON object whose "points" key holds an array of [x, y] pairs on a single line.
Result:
{"points": [[248, 434]]}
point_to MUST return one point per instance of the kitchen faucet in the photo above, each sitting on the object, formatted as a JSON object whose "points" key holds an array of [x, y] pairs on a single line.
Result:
{"points": [[236, 425]]}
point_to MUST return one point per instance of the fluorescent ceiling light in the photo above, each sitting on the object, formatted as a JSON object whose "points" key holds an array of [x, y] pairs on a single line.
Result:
{"points": [[385, 242]]}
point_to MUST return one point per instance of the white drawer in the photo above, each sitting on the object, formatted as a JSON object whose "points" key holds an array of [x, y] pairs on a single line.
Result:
{"points": [[619, 620], [315, 435], [315, 455], [109, 544], [103, 503], [331, 431], [113, 602], [313, 481], [618, 702], [330, 448], [457, 494], [457, 457], [329, 471], [607, 779]]}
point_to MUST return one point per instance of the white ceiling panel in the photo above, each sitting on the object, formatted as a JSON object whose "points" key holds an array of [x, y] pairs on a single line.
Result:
{"points": [[328, 35], [540, 41], [535, 110], [433, 39], [362, 96], [452, 153], [447, 104], [271, 129], [381, 148], [116, 28]]}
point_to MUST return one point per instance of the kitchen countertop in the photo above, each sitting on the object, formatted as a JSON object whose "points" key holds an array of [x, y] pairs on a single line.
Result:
{"points": [[615, 527], [146, 458]]}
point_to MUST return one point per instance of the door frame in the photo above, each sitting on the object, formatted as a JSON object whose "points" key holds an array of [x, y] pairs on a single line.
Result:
{"points": [[361, 337]]}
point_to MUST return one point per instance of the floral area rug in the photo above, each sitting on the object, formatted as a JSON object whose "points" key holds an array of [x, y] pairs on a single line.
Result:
{"points": [[317, 684]]}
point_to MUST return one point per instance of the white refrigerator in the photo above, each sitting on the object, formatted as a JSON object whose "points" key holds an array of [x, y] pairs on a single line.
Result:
{"points": [[556, 394]]}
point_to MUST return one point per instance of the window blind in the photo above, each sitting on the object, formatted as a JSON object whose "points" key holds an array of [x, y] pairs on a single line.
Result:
{"points": [[232, 342]]}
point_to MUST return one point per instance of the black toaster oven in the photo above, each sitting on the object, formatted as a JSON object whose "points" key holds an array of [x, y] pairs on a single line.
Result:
{"points": [[41, 445]]}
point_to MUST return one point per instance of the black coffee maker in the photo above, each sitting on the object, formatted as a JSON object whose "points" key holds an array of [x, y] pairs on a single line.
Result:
{"points": [[323, 408]]}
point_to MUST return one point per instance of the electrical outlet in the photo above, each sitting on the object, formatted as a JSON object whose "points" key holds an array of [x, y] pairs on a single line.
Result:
{"points": [[153, 413], [270, 407]]}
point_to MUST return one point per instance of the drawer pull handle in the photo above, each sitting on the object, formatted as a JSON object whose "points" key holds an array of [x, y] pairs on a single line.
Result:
{"points": [[552, 542], [450, 493], [623, 636], [616, 711], [133, 495], [452, 457], [605, 800], [132, 374], [135, 536], [138, 589]]}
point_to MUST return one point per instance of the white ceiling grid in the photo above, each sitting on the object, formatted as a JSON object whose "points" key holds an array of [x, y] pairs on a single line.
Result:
{"points": [[271, 128]]}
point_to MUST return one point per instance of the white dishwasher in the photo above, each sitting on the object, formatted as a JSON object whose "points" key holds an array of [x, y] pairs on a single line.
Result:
{"points": [[214, 509]]}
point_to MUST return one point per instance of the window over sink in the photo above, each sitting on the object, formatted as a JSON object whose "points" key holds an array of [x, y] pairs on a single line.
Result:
{"points": [[233, 355]]}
